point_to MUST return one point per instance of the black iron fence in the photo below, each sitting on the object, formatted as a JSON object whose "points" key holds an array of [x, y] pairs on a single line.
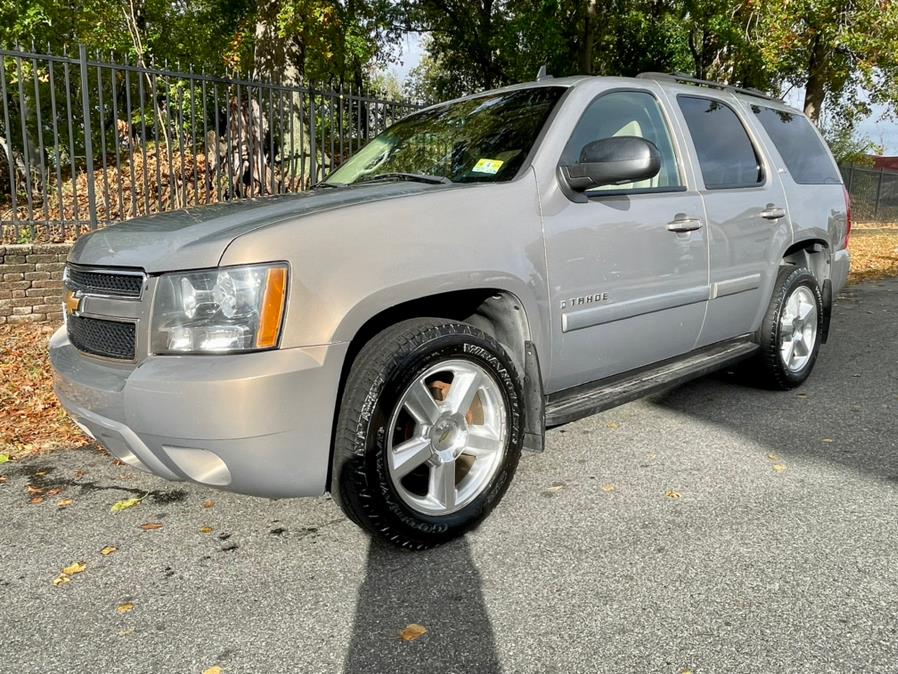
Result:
{"points": [[874, 193], [86, 142]]}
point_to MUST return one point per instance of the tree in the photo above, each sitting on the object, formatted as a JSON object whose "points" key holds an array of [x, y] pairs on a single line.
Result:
{"points": [[832, 48]]}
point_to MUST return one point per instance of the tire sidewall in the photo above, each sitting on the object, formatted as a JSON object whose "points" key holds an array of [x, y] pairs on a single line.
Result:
{"points": [[383, 391]]}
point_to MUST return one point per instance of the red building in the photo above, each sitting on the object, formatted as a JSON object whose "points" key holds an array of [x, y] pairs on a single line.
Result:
{"points": [[887, 163]]}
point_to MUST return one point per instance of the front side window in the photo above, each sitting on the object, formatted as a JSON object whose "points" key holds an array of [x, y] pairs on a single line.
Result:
{"points": [[482, 139], [799, 145], [726, 155], [626, 113]]}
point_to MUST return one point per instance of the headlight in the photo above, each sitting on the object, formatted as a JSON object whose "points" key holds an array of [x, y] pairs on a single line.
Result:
{"points": [[220, 310]]}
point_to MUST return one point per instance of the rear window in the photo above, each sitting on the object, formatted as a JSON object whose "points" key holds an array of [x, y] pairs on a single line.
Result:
{"points": [[799, 145], [725, 153]]}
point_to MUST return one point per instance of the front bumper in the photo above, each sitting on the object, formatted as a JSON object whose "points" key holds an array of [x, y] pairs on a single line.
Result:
{"points": [[257, 423]]}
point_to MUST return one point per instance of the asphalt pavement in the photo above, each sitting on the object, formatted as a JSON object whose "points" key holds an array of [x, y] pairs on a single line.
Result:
{"points": [[714, 528]]}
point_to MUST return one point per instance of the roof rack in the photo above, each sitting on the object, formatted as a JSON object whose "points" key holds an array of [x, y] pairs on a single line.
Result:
{"points": [[681, 77]]}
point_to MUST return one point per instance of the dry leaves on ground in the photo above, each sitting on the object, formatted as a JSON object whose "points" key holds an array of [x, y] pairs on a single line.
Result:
{"points": [[124, 504], [108, 550], [31, 419], [151, 526], [874, 251], [670, 493], [127, 607], [412, 632]]}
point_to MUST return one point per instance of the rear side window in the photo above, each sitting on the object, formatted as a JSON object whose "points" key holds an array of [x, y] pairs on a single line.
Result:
{"points": [[725, 153], [799, 145]]}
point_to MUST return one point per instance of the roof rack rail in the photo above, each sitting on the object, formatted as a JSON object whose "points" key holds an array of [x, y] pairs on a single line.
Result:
{"points": [[681, 77]]}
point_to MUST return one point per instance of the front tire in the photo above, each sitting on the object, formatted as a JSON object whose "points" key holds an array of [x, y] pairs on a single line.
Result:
{"points": [[429, 432], [791, 329]]}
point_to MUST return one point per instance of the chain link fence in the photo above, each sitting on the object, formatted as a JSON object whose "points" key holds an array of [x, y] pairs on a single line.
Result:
{"points": [[874, 193], [86, 142]]}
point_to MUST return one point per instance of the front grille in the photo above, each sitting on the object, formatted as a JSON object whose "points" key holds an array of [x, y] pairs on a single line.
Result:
{"points": [[89, 282], [112, 339]]}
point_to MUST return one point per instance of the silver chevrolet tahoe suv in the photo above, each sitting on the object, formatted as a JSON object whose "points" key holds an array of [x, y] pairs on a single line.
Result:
{"points": [[483, 270]]}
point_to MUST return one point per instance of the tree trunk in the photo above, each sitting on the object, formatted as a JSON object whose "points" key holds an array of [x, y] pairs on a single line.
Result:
{"points": [[815, 89], [589, 35]]}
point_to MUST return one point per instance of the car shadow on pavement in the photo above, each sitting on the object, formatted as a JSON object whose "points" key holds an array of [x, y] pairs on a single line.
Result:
{"points": [[440, 590]]}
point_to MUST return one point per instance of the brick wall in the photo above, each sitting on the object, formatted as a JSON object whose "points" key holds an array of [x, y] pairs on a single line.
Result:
{"points": [[31, 282]]}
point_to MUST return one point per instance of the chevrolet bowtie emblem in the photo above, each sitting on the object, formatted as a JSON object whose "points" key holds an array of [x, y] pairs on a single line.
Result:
{"points": [[72, 302]]}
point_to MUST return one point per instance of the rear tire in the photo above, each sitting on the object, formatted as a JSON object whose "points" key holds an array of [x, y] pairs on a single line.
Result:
{"points": [[429, 432], [791, 331]]}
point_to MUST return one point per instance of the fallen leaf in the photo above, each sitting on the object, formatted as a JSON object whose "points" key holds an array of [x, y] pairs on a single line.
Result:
{"points": [[413, 632], [61, 580], [773, 457], [670, 493], [79, 474], [779, 467], [206, 530], [555, 488], [827, 440], [613, 425], [34, 491], [37, 500], [40, 474], [56, 491], [64, 503], [108, 550], [4, 458], [2, 479], [127, 607], [150, 526], [77, 567], [124, 504], [213, 670], [208, 503], [651, 456], [802, 395], [608, 488]]}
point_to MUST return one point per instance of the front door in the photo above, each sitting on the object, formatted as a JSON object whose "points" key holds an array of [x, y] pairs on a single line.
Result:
{"points": [[628, 265]]}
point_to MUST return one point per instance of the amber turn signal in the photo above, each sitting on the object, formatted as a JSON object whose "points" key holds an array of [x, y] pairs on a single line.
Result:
{"points": [[272, 308]]}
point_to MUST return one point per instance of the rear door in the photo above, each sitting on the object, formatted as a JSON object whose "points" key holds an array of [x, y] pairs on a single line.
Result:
{"points": [[748, 226], [627, 264]]}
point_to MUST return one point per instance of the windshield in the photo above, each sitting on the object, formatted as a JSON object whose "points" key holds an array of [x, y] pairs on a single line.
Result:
{"points": [[483, 139]]}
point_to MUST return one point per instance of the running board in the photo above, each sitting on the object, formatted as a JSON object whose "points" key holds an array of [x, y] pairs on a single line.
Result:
{"points": [[582, 401]]}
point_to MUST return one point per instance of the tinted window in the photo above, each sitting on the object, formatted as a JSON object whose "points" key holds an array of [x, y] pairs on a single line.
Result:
{"points": [[799, 146], [626, 113], [725, 153]]}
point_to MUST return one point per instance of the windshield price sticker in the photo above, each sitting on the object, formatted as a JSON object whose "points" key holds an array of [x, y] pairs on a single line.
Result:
{"points": [[491, 166]]}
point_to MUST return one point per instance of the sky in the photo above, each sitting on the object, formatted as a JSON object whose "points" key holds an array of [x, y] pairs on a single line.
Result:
{"points": [[879, 129]]}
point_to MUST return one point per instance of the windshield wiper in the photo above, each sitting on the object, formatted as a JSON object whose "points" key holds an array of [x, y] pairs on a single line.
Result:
{"points": [[413, 177]]}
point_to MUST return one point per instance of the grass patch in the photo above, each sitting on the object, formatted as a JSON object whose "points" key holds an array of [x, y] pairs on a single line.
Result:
{"points": [[31, 419]]}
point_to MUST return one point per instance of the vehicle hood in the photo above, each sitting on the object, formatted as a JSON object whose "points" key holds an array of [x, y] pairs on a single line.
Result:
{"points": [[193, 238]]}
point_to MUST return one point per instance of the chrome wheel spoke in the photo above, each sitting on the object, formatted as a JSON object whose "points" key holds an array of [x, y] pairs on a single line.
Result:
{"points": [[409, 455], [481, 441], [442, 485], [787, 349], [465, 385], [421, 405]]}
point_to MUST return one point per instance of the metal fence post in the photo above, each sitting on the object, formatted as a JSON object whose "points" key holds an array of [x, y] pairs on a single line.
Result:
{"points": [[88, 141], [878, 195], [313, 132]]}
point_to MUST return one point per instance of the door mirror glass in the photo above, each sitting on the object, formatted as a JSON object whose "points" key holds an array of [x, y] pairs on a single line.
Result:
{"points": [[613, 161]]}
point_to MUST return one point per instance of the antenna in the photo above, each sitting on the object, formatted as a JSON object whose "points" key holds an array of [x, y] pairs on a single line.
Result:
{"points": [[542, 74]]}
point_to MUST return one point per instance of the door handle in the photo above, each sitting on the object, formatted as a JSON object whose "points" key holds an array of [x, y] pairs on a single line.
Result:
{"points": [[772, 212], [683, 224]]}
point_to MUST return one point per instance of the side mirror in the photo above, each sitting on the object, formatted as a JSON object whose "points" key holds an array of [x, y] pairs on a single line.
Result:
{"points": [[613, 161]]}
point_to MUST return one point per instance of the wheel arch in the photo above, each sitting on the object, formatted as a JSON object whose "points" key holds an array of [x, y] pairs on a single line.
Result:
{"points": [[497, 311], [815, 255]]}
